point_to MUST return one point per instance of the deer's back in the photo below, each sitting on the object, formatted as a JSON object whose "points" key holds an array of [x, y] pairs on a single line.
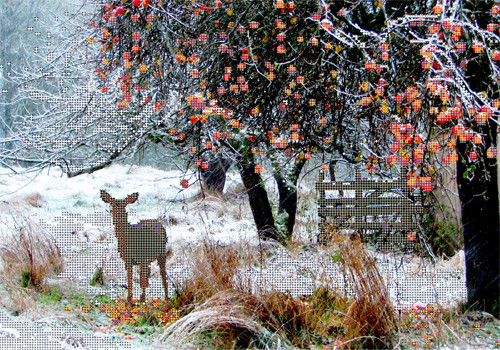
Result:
{"points": [[145, 241]]}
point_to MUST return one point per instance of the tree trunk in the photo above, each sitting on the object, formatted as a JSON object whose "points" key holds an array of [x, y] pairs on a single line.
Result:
{"points": [[258, 199], [480, 217], [331, 170], [215, 176], [479, 196], [287, 208], [445, 216]]}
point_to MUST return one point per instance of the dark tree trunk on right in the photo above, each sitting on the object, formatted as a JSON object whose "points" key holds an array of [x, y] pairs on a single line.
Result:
{"points": [[287, 192], [480, 218]]}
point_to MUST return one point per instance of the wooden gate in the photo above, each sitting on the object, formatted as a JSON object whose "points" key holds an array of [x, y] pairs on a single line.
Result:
{"points": [[387, 208]]}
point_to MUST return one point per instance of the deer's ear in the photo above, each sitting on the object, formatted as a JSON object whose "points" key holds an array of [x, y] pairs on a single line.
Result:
{"points": [[131, 198], [106, 197]]}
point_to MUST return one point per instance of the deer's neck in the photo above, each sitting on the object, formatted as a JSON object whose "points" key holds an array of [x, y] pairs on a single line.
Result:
{"points": [[121, 229]]}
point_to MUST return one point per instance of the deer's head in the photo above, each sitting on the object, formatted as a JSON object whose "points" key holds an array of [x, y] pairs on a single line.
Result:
{"points": [[118, 212]]}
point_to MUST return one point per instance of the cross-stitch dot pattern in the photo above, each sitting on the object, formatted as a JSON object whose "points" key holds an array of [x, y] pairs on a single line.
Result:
{"points": [[365, 204], [360, 204], [138, 244]]}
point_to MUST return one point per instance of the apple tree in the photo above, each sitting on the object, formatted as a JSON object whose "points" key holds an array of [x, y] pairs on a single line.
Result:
{"points": [[441, 86], [262, 81], [383, 83]]}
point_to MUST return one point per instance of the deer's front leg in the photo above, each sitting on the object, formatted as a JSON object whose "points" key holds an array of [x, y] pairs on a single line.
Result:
{"points": [[145, 271], [128, 267], [162, 260]]}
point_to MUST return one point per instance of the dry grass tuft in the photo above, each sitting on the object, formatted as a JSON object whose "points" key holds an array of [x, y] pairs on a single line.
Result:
{"points": [[308, 321], [219, 308], [34, 200], [216, 268], [371, 317], [227, 320], [215, 302], [28, 253]]}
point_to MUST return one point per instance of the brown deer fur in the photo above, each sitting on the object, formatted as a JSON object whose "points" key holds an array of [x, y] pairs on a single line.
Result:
{"points": [[138, 244]]}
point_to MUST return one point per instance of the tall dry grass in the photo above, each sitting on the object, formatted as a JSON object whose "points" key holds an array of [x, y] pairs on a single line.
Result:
{"points": [[221, 308], [229, 319], [371, 315], [218, 307], [28, 256], [215, 268]]}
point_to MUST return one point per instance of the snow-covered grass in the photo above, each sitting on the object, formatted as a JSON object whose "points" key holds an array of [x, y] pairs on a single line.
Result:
{"points": [[60, 193], [51, 195], [71, 209]]}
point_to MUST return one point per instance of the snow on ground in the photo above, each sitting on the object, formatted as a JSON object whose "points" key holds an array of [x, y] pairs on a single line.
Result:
{"points": [[60, 193], [72, 210]]}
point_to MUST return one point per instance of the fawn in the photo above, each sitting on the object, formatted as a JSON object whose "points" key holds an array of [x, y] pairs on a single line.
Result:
{"points": [[138, 244]]}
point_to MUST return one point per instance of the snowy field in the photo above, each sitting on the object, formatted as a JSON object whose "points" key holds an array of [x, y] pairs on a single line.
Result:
{"points": [[71, 209], [73, 212]]}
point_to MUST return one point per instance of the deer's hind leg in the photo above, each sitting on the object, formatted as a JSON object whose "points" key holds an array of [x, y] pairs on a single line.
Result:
{"points": [[128, 267], [145, 271], [162, 260]]}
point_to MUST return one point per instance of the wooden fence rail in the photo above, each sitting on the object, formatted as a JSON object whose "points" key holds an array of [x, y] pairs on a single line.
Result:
{"points": [[386, 207]]}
